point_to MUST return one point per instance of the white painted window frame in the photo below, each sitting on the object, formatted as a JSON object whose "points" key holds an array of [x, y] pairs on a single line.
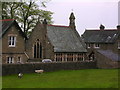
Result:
{"points": [[118, 44], [11, 39], [9, 60], [19, 60], [88, 45], [96, 45]]}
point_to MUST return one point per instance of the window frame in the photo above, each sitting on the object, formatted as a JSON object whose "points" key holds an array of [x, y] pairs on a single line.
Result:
{"points": [[96, 45], [118, 44], [19, 59], [11, 41], [37, 50], [88, 45], [10, 60]]}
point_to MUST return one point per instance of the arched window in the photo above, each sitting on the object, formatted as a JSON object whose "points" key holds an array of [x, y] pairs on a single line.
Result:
{"points": [[40, 51], [37, 49]]}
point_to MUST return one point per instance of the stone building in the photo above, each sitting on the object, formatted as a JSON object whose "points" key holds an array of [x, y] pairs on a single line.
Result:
{"points": [[58, 43], [103, 45], [13, 42], [38, 45]]}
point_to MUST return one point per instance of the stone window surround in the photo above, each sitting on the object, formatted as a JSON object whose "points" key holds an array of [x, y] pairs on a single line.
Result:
{"points": [[96, 45], [66, 56], [40, 45], [19, 59], [12, 41], [9, 59], [118, 44]]}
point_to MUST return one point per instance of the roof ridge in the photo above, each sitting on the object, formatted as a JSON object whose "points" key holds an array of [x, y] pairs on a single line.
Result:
{"points": [[58, 25], [100, 30], [7, 20]]}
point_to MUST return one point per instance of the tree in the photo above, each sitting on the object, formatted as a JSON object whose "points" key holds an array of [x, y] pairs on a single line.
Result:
{"points": [[26, 13]]}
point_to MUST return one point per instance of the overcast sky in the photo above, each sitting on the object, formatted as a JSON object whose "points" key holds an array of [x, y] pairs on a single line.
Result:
{"points": [[89, 13]]}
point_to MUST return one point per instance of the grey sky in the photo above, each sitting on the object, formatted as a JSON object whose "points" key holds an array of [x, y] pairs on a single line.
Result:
{"points": [[88, 13]]}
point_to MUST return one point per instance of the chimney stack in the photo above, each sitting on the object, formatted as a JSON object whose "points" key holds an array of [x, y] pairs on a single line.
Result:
{"points": [[45, 26], [102, 27], [45, 21], [118, 27]]}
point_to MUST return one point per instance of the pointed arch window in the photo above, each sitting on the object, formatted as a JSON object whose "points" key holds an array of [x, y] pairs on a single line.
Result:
{"points": [[37, 49]]}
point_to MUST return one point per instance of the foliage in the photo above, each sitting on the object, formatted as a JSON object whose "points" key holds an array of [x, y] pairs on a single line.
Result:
{"points": [[86, 78], [26, 13]]}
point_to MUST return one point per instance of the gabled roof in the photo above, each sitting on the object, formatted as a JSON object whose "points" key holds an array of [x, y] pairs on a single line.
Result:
{"points": [[64, 39], [101, 36], [109, 54], [7, 23]]}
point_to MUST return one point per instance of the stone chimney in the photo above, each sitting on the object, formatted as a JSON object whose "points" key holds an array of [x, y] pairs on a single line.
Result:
{"points": [[102, 27], [45, 21], [72, 21], [45, 26], [118, 27], [44, 37]]}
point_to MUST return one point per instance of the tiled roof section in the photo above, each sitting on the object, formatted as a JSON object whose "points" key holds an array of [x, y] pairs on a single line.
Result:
{"points": [[7, 20], [64, 39], [109, 54], [7, 23], [98, 36], [59, 26]]}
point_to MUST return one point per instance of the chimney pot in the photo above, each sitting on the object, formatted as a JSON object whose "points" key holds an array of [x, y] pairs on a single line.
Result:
{"points": [[45, 21], [102, 27], [118, 27]]}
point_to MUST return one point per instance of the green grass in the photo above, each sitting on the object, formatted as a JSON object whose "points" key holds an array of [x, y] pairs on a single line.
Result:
{"points": [[88, 78], [0, 82]]}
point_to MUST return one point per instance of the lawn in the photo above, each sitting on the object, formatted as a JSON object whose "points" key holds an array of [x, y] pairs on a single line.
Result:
{"points": [[88, 78]]}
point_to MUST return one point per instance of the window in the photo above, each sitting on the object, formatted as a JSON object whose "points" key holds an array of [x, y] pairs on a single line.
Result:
{"points": [[11, 41], [37, 49], [19, 60], [58, 56], [88, 45], [80, 57], [96, 46], [10, 60], [70, 57], [119, 45]]}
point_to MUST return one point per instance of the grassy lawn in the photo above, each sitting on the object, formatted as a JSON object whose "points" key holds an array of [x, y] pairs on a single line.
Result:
{"points": [[0, 82], [88, 78]]}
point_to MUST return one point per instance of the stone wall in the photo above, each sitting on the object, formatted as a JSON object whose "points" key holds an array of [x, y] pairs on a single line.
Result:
{"points": [[8, 69], [106, 63]]}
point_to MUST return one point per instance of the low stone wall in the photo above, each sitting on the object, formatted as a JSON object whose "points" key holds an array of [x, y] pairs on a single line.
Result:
{"points": [[8, 69]]}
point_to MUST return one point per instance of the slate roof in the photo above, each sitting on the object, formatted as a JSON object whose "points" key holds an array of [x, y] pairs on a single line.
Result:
{"points": [[64, 39], [6, 24], [101, 36], [109, 54]]}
